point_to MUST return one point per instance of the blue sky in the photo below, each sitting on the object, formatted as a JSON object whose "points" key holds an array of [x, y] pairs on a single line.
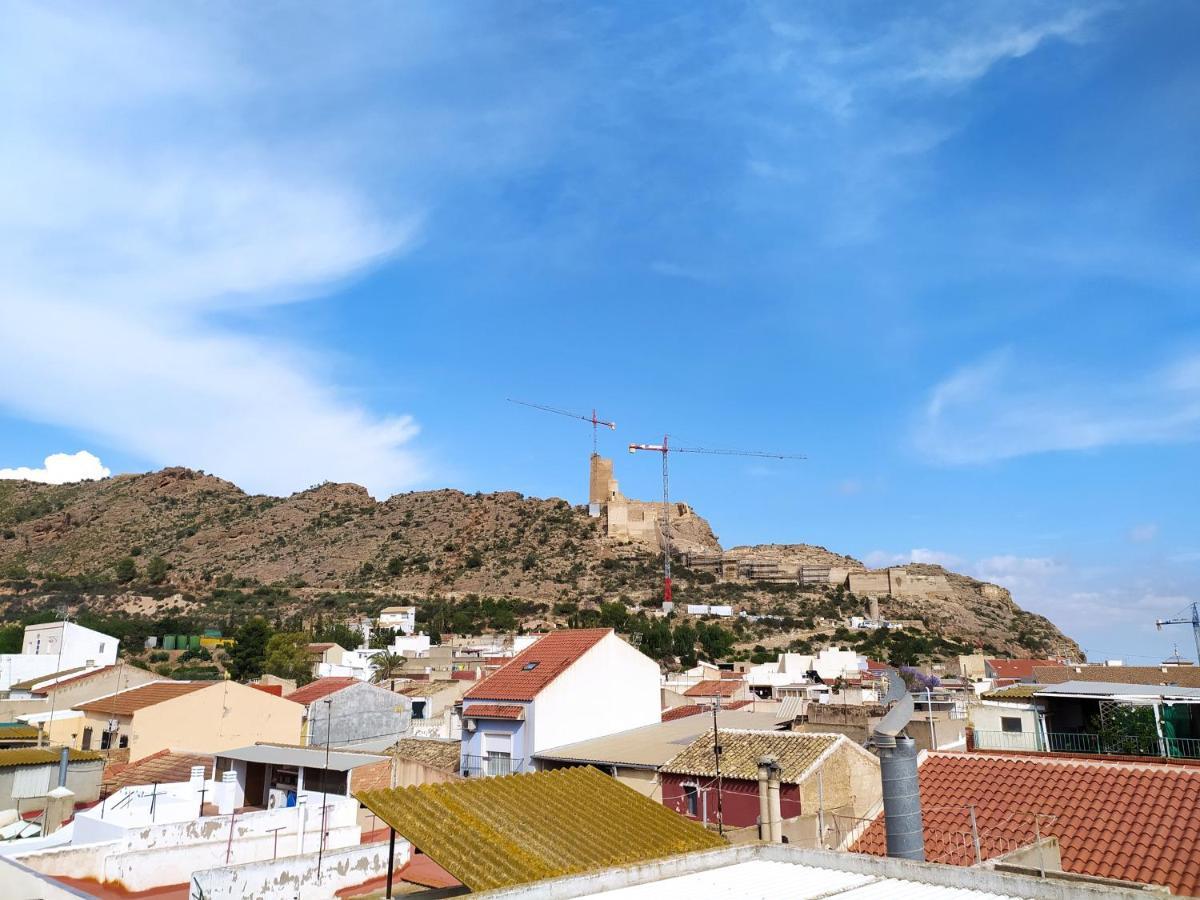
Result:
{"points": [[948, 253]]}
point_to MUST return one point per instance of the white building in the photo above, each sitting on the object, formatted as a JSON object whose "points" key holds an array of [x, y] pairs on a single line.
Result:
{"points": [[708, 609], [794, 668], [402, 618], [569, 686], [56, 647]]}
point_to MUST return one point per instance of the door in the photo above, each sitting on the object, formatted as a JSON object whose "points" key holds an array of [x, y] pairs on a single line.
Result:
{"points": [[256, 782]]}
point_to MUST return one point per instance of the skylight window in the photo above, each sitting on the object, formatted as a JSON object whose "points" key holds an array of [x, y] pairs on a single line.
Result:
{"points": [[529, 667]]}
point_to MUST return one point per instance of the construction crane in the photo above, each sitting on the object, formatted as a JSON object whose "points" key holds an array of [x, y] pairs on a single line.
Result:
{"points": [[596, 422], [666, 450], [1194, 621]]}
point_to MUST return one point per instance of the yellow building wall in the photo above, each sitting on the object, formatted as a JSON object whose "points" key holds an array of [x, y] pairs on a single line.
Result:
{"points": [[220, 717]]}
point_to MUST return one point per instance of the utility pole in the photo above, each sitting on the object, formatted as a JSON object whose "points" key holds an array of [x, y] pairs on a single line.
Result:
{"points": [[717, 759], [325, 784]]}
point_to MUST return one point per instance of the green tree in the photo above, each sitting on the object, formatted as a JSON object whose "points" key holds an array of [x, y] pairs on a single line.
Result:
{"points": [[287, 656], [342, 635], [683, 644], [715, 641], [386, 665], [10, 638], [250, 652], [125, 569], [156, 571]]}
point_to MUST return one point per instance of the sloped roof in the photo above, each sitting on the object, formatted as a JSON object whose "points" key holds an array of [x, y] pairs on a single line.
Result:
{"points": [[127, 702], [682, 712], [741, 751], [1183, 676], [32, 756], [714, 688], [1018, 668], [163, 767], [524, 676], [432, 752], [426, 688], [494, 711], [30, 683], [1112, 819], [499, 832], [16, 731], [1014, 692], [322, 687]]}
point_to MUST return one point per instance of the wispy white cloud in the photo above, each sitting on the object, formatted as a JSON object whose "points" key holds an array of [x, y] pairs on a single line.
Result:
{"points": [[164, 183], [1002, 407], [1143, 533], [879, 559], [61, 468]]}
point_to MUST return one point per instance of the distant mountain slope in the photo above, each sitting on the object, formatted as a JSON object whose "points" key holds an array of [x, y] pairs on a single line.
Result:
{"points": [[444, 543]]}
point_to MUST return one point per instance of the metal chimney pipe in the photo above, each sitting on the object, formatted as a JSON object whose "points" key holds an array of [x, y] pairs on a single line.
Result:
{"points": [[64, 760], [898, 770], [902, 800]]}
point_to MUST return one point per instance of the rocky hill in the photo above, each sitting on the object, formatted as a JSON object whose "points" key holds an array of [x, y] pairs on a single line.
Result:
{"points": [[185, 542]]}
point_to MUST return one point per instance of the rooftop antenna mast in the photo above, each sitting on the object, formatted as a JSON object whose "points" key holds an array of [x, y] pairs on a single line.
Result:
{"points": [[666, 450], [1194, 621], [596, 421]]}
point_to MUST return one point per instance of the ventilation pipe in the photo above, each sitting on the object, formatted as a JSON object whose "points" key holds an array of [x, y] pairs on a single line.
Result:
{"points": [[64, 762], [770, 816], [898, 769]]}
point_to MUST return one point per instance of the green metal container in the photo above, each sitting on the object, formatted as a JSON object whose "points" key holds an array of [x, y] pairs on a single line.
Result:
{"points": [[168, 642], [194, 642], [212, 632]]}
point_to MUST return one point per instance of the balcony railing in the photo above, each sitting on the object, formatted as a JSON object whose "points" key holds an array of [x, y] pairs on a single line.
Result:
{"points": [[490, 765], [1082, 742]]}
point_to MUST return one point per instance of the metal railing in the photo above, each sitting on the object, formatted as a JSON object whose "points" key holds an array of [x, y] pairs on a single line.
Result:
{"points": [[490, 765], [1083, 742]]}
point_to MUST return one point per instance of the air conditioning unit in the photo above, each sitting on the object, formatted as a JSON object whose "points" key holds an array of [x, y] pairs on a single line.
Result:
{"points": [[277, 799]]}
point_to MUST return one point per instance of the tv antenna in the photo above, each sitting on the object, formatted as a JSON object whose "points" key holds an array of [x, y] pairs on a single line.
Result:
{"points": [[666, 450]]}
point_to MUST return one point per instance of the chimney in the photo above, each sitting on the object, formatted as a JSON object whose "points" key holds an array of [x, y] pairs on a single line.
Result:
{"points": [[769, 813], [64, 761], [898, 769]]}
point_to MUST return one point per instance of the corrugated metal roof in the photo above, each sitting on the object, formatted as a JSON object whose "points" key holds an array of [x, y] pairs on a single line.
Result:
{"points": [[32, 756], [500, 832], [1116, 689], [313, 757], [792, 881]]}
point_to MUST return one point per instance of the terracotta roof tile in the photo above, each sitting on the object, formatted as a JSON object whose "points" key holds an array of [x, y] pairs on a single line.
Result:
{"points": [[164, 767], [494, 711], [322, 687], [524, 676], [714, 689], [126, 703], [1112, 819], [741, 751], [682, 712], [1018, 668], [275, 690]]}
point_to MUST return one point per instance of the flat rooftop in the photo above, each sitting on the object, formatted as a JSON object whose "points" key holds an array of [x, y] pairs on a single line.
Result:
{"points": [[311, 757]]}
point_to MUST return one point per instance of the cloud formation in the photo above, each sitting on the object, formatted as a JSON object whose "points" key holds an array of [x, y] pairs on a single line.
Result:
{"points": [[1002, 407], [146, 216], [61, 468]]}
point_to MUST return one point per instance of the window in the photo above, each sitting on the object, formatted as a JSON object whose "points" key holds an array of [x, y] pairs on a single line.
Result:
{"points": [[124, 742], [1011, 724], [418, 709], [691, 797], [529, 667], [102, 646], [106, 740], [87, 739], [499, 763]]}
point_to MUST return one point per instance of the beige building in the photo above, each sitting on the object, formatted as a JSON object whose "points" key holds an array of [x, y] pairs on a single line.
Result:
{"points": [[187, 716], [65, 690]]}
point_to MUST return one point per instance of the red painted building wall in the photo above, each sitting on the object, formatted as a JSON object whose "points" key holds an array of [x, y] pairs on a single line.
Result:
{"points": [[739, 799]]}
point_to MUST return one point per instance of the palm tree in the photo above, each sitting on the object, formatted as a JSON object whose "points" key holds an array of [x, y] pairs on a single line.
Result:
{"points": [[386, 665]]}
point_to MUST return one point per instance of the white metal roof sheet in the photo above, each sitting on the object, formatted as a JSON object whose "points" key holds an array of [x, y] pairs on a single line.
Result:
{"points": [[771, 880]]}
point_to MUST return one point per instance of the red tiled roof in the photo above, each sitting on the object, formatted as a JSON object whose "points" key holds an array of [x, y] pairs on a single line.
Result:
{"points": [[1112, 819], [127, 702], [320, 647], [322, 687], [524, 676], [494, 711], [1017, 668], [163, 767], [275, 690], [682, 712], [714, 689]]}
